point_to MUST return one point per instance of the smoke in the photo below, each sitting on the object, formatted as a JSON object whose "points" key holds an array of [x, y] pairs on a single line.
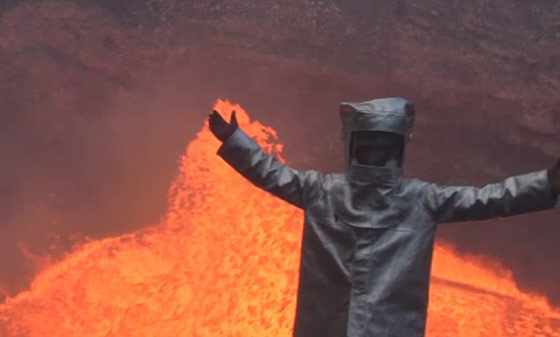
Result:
{"points": [[98, 103], [81, 142]]}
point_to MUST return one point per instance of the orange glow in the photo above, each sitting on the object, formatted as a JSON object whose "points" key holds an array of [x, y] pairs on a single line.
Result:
{"points": [[223, 262]]}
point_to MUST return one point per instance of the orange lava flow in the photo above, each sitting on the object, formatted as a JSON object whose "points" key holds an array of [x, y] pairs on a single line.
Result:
{"points": [[223, 262]]}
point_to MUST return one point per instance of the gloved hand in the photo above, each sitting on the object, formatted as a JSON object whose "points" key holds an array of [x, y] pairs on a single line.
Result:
{"points": [[554, 177], [220, 128]]}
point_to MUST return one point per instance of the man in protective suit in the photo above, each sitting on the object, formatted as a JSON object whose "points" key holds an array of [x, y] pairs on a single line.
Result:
{"points": [[369, 233]]}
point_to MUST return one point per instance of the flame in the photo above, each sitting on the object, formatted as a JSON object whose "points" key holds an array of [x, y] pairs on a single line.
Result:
{"points": [[223, 262]]}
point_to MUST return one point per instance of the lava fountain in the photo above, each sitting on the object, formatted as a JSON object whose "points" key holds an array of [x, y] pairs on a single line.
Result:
{"points": [[223, 262]]}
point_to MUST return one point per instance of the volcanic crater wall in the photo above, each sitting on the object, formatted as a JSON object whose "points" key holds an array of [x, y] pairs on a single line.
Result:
{"points": [[99, 99]]}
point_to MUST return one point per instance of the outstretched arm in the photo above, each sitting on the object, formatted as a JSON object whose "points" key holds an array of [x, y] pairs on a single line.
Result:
{"points": [[554, 177], [240, 151], [516, 195]]}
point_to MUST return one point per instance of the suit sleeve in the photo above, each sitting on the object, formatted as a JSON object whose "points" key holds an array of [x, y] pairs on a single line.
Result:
{"points": [[300, 188], [516, 195]]}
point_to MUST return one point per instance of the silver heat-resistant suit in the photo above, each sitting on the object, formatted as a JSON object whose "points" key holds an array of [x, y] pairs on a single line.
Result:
{"points": [[368, 233]]}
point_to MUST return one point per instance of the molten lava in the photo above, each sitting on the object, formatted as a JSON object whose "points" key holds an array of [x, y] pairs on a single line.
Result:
{"points": [[223, 262]]}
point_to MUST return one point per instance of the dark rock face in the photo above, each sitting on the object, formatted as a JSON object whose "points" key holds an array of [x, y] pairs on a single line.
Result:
{"points": [[99, 99]]}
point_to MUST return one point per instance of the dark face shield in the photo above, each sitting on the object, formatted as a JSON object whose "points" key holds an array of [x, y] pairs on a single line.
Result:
{"points": [[376, 148]]}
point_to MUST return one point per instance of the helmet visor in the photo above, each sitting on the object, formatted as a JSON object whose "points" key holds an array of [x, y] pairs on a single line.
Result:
{"points": [[376, 148]]}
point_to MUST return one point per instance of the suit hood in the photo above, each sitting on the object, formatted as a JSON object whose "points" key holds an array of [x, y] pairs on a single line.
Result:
{"points": [[395, 115]]}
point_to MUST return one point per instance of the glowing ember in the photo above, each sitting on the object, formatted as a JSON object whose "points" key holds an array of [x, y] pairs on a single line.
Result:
{"points": [[223, 262]]}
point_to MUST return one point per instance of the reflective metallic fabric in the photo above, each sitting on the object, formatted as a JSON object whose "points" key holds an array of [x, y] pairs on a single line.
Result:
{"points": [[367, 247], [393, 114]]}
